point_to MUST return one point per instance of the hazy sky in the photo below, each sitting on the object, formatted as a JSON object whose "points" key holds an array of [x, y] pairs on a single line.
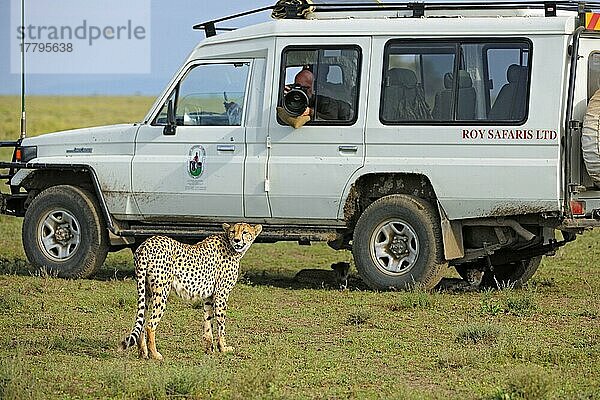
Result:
{"points": [[172, 39]]}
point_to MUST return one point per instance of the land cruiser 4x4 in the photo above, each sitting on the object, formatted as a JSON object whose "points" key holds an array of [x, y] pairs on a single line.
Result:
{"points": [[460, 143]]}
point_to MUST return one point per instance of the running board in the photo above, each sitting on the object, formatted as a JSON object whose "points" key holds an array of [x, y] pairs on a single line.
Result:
{"points": [[270, 233]]}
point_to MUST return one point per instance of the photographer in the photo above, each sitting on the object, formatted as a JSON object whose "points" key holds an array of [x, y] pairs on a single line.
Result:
{"points": [[327, 108]]}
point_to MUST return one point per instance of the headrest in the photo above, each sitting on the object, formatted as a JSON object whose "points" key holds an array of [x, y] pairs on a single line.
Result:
{"points": [[402, 77], [448, 80], [464, 80], [515, 73]]}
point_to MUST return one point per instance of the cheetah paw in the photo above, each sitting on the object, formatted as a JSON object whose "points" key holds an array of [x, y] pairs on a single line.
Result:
{"points": [[226, 349]]}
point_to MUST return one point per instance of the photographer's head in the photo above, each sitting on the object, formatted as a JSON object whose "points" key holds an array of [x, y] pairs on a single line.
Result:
{"points": [[305, 79]]}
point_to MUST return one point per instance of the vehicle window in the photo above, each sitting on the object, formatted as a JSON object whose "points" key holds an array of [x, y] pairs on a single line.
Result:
{"points": [[329, 78], [210, 95], [593, 74], [507, 81], [417, 82], [437, 82]]}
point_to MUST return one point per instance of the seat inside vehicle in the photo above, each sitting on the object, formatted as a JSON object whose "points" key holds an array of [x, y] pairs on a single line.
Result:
{"points": [[511, 100], [444, 99]]}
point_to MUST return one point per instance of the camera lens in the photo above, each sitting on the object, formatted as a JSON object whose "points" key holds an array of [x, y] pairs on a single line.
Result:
{"points": [[295, 102]]}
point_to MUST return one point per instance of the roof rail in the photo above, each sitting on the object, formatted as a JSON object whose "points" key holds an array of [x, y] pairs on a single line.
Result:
{"points": [[210, 28], [294, 9]]}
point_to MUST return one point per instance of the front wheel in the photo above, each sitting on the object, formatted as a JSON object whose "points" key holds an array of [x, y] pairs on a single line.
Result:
{"points": [[398, 243], [64, 232]]}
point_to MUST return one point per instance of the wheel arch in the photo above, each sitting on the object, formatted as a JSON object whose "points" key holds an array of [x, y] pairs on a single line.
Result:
{"points": [[360, 192], [43, 176]]}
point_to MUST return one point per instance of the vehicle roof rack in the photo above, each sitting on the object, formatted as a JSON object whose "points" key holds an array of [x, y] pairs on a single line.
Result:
{"points": [[295, 9], [210, 28]]}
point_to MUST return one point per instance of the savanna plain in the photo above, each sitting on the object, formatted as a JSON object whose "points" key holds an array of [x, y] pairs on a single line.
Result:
{"points": [[58, 338]]}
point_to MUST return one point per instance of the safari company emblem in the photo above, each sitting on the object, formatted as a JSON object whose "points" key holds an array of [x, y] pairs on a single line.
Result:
{"points": [[197, 158]]}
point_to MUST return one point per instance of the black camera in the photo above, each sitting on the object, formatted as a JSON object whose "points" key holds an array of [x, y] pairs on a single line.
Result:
{"points": [[295, 101]]}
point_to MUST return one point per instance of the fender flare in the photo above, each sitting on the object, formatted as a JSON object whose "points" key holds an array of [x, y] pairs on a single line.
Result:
{"points": [[24, 170]]}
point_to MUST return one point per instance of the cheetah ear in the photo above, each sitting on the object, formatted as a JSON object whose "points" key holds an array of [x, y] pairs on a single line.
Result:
{"points": [[257, 229], [226, 226]]}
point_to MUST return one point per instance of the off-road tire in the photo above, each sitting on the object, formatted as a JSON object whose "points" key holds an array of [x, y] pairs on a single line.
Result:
{"points": [[423, 219], [513, 274], [93, 241]]}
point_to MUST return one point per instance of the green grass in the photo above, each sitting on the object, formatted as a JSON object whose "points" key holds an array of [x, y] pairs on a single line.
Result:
{"points": [[58, 338]]}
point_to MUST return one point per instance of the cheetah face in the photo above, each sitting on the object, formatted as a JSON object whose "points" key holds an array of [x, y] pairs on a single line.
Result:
{"points": [[241, 235]]}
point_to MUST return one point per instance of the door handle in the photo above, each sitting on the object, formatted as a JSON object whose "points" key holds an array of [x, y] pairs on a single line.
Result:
{"points": [[348, 148], [226, 147]]}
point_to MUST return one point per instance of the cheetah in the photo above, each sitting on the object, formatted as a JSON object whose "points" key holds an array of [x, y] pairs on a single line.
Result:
{"points": [[205, 271], [471, 283], [325, 278]]}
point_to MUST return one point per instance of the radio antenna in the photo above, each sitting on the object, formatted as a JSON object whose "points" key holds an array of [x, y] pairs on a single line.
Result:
{"points": [[23, 114]]}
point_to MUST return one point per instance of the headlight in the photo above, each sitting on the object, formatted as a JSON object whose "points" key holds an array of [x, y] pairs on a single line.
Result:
{"points": [[25, 153]]}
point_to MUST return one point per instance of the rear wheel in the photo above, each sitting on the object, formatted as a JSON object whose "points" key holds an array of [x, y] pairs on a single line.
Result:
{"points": [[397, 243], [64, 232]]}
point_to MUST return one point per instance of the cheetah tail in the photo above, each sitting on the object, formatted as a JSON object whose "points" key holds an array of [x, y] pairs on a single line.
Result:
{"points": [[139, 322]]}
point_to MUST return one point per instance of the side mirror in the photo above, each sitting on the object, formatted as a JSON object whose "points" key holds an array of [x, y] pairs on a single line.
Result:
{"points": [[171, 126]]}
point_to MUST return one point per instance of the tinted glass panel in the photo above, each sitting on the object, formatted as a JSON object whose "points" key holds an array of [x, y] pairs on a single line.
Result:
{"points": [[455, 81], [593, 74], [416, 85]]}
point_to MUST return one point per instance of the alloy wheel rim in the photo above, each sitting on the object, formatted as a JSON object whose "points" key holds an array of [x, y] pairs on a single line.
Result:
{"points": [[59, 235], [394, 247]]}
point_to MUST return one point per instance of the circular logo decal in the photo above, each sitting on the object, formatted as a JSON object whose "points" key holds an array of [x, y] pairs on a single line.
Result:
{"points": [[197, 158]]}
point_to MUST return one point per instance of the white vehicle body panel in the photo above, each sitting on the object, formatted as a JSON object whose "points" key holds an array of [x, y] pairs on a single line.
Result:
{"points": [[486, 173]]}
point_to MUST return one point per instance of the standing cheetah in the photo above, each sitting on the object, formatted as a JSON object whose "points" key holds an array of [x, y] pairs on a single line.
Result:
{"points": [[207, 270]]}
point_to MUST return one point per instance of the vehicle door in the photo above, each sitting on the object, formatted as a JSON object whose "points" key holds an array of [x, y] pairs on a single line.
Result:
{"points": [[587, 82], [197, 170], [309, 167]]}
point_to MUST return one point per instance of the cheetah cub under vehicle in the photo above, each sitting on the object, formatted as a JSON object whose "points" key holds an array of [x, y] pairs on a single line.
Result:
{"points": [[207, 270]]}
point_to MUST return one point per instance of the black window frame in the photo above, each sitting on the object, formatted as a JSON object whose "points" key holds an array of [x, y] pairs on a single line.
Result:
{"points": [[486, 71], [490, 42], [316, 47]]}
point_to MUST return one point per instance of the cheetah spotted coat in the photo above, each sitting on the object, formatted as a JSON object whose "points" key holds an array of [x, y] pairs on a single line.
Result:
{"points": [[205, 271]]}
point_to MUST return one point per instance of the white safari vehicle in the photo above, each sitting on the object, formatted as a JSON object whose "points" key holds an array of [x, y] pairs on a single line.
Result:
{"points": [[439, 134]]}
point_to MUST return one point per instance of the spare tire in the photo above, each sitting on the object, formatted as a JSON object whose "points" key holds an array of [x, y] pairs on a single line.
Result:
{"points": [[590, 138]]}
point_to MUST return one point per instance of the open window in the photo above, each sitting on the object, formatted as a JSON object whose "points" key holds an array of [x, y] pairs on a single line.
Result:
{"points": [[329, 75], [209, 95]]}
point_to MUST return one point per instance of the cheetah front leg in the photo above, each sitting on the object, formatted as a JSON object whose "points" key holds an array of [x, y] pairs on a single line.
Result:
{"points": [[220, 308], [207, 337]]}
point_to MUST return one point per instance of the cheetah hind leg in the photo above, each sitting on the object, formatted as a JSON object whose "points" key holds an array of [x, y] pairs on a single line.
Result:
{"points": [[207, 336], [142, 346], [159, 303], [152, 344]]}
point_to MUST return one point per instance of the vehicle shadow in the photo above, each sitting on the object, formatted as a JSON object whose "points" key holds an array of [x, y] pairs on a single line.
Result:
{"points": [[283, 281]]}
